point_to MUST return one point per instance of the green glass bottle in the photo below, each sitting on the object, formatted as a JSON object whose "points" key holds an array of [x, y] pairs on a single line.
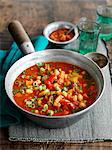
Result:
{"points": [[104, 18]]}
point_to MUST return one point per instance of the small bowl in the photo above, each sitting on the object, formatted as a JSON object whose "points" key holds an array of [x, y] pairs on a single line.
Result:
{"points": [[57, 25], [100, 59]]}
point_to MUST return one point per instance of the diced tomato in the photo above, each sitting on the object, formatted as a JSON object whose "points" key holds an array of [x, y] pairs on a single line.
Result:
{"points": [[49, 85], [76, 103], [69, 96], [85, 96], [64, 101], [92, 87], [50, 79], [71, 106], [49, 82], [58, 114], [66, 112], [67, 103]]}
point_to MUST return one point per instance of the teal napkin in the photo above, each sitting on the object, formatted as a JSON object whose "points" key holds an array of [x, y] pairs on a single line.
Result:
{"points": [[9, 115]]}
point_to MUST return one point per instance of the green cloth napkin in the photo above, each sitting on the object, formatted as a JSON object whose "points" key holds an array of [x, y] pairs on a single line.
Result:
{"points": [[9, 115]]}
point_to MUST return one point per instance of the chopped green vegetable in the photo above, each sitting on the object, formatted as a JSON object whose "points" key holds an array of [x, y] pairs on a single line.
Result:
{"points": [[20, 83], [51, 99], [24, 72], [42, 69], [40, 64], [15, 91], [57, 88], [45, 108], [40, 88], [23, 76], [36, 87], [65, 89], [47, 91], [40, 98], [77, 70], [22, 90], [30, 77], [64, 93], [43, 87], [50, 112], [76, 110], [33, 110]]}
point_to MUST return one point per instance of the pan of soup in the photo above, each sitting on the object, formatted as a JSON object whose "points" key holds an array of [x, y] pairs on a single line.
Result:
{"points": [[54, 88]]}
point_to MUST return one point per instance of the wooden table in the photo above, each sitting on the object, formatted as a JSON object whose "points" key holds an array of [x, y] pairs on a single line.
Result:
{"points": [[35, 15]]}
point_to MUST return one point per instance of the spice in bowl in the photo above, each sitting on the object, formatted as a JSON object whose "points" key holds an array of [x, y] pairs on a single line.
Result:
{"points": [[61, 35]]}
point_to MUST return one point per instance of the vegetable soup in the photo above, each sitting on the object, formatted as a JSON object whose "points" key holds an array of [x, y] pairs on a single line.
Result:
{"points": [[54, 89]]}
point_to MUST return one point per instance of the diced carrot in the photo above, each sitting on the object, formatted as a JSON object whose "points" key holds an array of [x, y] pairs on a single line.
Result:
{"points": [[29, 82], [18, 95]]}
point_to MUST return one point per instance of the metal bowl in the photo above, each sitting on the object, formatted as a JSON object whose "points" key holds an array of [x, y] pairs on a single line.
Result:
{"points": [[60, 24], [54, 55], [100, 59]]}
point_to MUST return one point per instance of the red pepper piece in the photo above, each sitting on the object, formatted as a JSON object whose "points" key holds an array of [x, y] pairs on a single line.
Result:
{"points": [[49, 82]]}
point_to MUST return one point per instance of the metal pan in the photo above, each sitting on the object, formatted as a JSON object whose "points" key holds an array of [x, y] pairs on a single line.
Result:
{"points": [[45, 56]]}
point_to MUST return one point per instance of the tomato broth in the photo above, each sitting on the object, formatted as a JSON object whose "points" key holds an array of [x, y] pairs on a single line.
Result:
{"points": [[54, 89]]}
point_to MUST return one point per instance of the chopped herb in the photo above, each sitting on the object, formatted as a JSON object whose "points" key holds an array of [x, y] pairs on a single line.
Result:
{"points": [[33, 110], [91, 93], [30, 77], [40, 88], [22, 91], [65, 89], [77, 70], [41, 98], [15, 91], [42, 69], [24, 72], [23, 76], [48, 72], [57, 88], [64, 93], [87, 76], [40, 64], [24, 86], [76, 110], [50, 112], [80, 87], [35, 97]]}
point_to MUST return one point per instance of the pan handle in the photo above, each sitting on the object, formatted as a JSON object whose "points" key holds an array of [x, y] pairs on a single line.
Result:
{"points": [[21, 37]]}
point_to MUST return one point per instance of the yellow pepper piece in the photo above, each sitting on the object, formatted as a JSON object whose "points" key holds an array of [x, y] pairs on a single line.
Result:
{"points": [[29, 82]]}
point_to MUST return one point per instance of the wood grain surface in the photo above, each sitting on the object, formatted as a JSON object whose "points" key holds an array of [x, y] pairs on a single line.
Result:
{"points": [[35, 15]]}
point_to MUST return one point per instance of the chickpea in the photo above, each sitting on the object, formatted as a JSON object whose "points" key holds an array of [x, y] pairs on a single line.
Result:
{"points": [[29, 91], [36, 111], [82, 105], [80, 97], [75, 98]]}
